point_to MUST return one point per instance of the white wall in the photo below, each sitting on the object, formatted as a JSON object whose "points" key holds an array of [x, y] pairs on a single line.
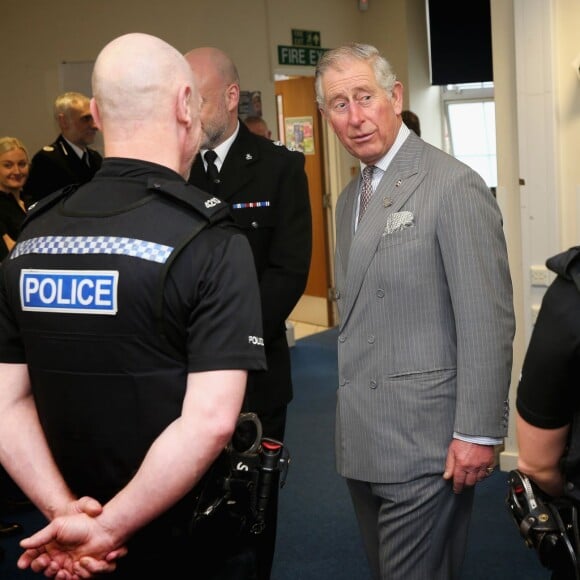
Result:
{"points": [[546, 105], [44, 34], [508, 189], [566, 49]]}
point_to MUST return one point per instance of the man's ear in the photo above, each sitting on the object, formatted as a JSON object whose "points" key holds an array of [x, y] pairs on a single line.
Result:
{"points": [[95, 113], [397, 98], [233, 97], [62, 121], [183, 111]]}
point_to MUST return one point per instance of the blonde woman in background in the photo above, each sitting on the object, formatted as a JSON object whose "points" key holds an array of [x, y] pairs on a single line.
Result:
{"points": [[14, 165]]}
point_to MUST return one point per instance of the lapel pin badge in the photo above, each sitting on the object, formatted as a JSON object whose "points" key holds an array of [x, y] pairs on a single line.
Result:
{"points": [[249, 157], [387, 202]]}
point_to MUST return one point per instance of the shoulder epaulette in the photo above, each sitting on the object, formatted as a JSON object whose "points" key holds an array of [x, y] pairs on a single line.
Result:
{"points": [[209, 206], [44, 203], [287, 147], [574, 270]]}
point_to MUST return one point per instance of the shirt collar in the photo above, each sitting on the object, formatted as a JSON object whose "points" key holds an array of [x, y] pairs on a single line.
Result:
{"points": [[382, 164], [385, 161], [75, 148], [222, 149]]}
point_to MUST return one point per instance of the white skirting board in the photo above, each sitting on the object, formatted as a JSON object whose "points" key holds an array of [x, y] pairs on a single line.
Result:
{"points": [[290, 333]]}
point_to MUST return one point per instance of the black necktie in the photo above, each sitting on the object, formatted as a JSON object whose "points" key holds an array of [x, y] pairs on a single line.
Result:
{"points": [[85, 159], [212, 171]]}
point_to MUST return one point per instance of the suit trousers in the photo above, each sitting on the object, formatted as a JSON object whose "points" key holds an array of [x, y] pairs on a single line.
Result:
{"points": [[413, 530]]}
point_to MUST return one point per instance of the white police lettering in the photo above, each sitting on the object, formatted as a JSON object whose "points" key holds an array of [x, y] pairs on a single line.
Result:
{"points": [[72, 291], [212, 202], [257, 340]]}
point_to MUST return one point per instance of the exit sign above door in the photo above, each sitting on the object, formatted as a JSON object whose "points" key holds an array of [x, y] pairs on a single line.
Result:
{"points": [[305, 49], [299, 55], [306, 38]]}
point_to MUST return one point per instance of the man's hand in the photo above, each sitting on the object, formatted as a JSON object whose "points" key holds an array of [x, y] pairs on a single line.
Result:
{"points": [[467, 463], [72, 546]]}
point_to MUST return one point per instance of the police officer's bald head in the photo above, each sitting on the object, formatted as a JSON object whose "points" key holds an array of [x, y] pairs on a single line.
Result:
{"points": [[143, 87], [133, 75]]}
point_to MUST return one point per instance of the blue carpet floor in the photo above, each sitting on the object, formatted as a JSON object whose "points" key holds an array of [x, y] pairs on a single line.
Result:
{"points": [[317, 534]]}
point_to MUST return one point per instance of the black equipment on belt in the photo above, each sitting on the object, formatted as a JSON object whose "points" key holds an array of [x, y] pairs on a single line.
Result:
{"points": [[239, 483], [548, 525]]}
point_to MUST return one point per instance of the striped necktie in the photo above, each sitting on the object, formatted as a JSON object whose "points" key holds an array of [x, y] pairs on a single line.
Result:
{"points": [[366, 191]]}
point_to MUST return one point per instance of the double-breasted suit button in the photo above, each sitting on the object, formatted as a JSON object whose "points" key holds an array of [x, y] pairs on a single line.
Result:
{"points": [[343, 382], [371, 339], [342, 338], [254, 225], [373, 384], [380, 293], [337, 295]]}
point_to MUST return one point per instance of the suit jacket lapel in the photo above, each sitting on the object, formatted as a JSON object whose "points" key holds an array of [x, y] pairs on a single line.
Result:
{"points": [[345, 223], [236, 171], [238, 168], [401, 179], [73, 164], [198, 175]]}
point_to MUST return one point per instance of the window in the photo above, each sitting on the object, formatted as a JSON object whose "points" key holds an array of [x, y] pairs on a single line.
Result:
{"points": [[470, 127]]}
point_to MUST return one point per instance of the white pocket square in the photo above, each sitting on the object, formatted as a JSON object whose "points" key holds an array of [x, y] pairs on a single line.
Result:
{"points": [[399, 221]]}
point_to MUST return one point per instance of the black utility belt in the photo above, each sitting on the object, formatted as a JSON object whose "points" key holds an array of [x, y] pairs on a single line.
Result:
{"points": [[547, 525], [239, 483]]}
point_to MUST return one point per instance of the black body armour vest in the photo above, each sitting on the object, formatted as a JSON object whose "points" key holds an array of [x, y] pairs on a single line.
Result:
{"points": [[106, 377], [570, 463]]}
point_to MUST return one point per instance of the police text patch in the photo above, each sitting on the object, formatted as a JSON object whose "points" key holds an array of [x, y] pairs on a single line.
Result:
{"points": [[72, 291]]}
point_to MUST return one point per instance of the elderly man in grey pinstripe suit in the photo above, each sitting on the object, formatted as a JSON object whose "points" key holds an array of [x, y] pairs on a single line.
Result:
{"points": [[426, 327]]}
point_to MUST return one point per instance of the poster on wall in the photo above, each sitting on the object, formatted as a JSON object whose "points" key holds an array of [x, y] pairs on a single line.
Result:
{"points": [[299, 134], [250, 104]]}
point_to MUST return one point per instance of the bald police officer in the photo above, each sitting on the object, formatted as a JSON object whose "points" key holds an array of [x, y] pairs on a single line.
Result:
{"points": [[129, 317]]}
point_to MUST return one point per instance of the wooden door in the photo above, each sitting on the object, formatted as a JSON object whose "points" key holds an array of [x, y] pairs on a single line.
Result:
{"points": [[299, 125]]}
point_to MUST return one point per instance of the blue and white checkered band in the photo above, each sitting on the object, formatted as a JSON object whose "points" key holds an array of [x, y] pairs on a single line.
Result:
{"points": [[93, 245]]}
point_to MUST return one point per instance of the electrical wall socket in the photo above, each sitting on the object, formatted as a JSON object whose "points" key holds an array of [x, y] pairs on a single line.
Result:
{"points": [[539, 276]]}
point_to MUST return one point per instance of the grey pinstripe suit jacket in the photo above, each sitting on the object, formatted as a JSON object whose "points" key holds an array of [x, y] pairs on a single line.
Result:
{"points": [[426, 318]]}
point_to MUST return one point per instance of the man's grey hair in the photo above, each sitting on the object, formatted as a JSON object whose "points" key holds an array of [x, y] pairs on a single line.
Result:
{"points": [[332, 59], [67, 101]]}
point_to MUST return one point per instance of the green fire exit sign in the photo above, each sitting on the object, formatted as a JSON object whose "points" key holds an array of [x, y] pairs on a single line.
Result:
{"points": [[299, 55]]}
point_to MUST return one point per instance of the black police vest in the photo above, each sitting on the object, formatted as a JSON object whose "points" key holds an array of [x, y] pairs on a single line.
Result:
{"points": [[106, 382], [570, 463]]}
